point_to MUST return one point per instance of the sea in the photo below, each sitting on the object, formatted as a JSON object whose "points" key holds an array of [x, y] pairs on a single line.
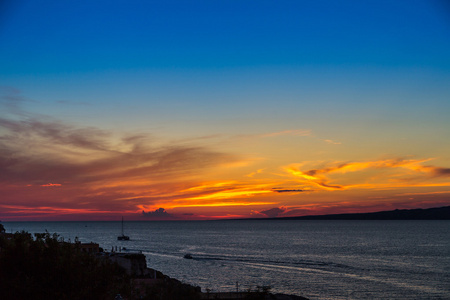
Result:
{"points": [[313, 259]]}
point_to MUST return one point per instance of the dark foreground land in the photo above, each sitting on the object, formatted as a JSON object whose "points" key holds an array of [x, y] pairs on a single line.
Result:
{"points": [[438, 213], [46, 267]]}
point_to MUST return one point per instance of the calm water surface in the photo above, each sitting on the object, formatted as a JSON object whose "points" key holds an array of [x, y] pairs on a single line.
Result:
{"points": [[315, 259]]}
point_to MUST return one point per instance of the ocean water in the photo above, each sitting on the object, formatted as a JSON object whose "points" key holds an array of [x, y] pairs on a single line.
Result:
{"points": [[314, 259]]}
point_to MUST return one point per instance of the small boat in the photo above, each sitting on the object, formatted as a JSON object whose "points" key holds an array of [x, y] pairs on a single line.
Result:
{"points": [[123, 237], [188, 256]]}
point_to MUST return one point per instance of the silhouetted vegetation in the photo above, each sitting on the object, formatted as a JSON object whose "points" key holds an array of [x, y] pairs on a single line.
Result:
{"points": [[46, 268]]}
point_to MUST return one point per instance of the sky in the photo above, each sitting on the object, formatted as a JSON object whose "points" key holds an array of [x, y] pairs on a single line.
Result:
{"points": [[198, 110]]}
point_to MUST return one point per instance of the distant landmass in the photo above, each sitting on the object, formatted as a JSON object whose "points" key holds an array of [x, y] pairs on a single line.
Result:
{"points": [[438, 213]]}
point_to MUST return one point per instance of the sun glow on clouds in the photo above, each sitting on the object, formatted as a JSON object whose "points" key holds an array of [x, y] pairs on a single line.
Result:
{"points": [[216, 194], [396, 173], [184, 203], [53, 170], [228, 195]]}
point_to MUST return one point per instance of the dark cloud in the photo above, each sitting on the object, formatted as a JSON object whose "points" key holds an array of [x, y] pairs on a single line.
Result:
{"points": [[287, 190], [158, 214], [329, 186], [442, 171], [315, 172], [273, 212]]}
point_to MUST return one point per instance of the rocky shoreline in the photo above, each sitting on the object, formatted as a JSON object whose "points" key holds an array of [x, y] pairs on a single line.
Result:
{"points": [[147, 280]]}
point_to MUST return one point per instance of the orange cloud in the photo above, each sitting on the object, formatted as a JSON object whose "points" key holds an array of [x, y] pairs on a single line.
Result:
{"points": [[230, 194], [259, 171], [322, 177], [218, 194]]}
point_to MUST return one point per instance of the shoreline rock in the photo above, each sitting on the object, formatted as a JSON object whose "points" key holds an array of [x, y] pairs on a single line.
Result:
{"points": [[147, 280]]}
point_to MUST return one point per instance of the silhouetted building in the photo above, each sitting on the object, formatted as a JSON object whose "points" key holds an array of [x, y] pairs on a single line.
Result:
{"points": [[89, 247]]}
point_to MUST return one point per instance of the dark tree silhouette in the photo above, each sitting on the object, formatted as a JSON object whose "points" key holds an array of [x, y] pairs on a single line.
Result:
{"points": [[47, 268]]}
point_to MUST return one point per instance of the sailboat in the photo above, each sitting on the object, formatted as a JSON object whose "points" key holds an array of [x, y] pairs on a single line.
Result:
{"points": [[123, 237]]}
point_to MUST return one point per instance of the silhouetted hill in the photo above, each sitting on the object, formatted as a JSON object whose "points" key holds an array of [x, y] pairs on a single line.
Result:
{"points": [[438, 213]]}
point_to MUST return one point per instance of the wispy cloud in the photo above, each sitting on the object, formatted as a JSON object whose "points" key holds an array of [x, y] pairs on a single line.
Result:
{"points": [[252, 174], [424, 193], [293, 132], [91, 168], [332, 142], [11, 100]]}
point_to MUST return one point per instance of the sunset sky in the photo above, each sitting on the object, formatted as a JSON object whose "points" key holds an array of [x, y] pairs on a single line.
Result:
{"points": [[222, 109]]}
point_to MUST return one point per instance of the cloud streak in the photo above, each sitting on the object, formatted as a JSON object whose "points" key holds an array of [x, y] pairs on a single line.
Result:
{"points": [[397, 172], [287, 190], [293, 132]]}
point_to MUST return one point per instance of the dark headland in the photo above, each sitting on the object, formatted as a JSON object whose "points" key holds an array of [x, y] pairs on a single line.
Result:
{"points": [[437, 213]]}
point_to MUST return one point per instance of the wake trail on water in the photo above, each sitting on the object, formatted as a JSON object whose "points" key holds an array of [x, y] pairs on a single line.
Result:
{"points": [[320, 267]]}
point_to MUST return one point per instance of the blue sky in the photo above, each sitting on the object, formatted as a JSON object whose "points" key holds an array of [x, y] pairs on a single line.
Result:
{"points": [[52, 37], [174, 51]]}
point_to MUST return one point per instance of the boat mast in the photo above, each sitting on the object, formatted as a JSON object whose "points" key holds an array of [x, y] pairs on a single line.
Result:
{"points": [[122, 225]]}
